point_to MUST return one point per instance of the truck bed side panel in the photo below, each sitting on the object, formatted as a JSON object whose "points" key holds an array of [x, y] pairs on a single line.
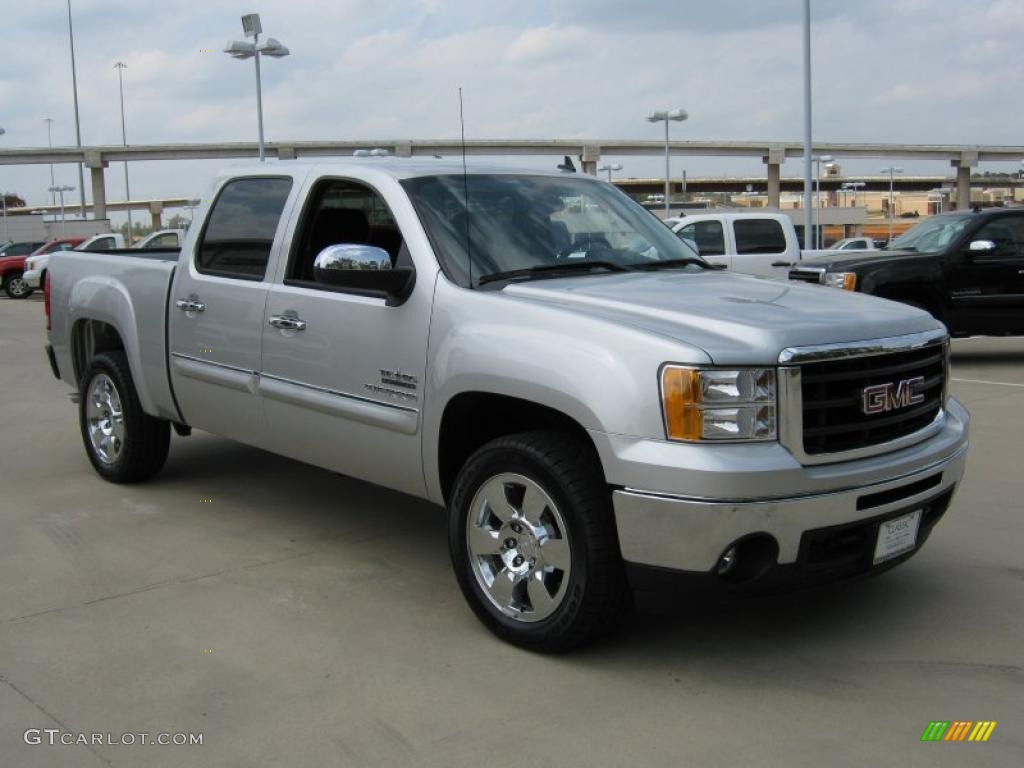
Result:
{"points": [[127, 293]]}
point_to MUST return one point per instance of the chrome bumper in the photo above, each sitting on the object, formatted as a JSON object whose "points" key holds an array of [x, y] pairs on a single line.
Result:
{"points": [[691, 534]]}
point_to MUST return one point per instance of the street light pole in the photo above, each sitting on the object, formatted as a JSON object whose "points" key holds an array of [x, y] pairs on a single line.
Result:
{"points": [[242, 49], [78, 128], [807, 124], [611, 167], [819, 159], [121, 67], [60, 191], [49, 143], [892, 171], [3, 197], [678, 115]]}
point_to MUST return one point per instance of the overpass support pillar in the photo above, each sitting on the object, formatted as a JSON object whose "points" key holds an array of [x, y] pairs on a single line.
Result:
{"points": [[774, 159], [94, 161], [155, 209], [963, 179], [589, 158]]}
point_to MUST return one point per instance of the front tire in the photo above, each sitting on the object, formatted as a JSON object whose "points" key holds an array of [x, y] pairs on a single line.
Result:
{"points": [[124, 443], [533, 542], [17, 287]]}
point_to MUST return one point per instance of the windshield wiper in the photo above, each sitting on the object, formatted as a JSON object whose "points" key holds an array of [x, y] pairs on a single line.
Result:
{"points": [[677, 263], [552, 270]]}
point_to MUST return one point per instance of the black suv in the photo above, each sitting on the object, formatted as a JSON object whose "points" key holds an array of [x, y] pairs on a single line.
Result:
{"points": [[966, 268]]}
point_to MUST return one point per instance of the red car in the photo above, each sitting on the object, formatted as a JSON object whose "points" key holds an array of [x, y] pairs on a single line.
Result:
{"points": [[13, 267]]}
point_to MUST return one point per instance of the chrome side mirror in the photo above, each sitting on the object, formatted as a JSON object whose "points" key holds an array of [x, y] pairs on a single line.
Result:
{"points": [[981, 246], [363, 269], [347, 257]]}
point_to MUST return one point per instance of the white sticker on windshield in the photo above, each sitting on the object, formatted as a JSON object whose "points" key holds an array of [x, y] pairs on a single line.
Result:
{"points": [[577, 255]]}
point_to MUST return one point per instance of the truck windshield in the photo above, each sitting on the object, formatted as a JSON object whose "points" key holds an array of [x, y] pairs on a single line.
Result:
{"points": [[516, 223], [931, 235]]}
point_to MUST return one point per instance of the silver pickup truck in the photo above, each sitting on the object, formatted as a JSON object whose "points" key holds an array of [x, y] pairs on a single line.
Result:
{"points": [[600, 411]]}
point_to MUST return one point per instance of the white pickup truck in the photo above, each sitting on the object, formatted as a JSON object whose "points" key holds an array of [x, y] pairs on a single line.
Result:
{"points": [[35, 266], [598, 409], [751, 243]]}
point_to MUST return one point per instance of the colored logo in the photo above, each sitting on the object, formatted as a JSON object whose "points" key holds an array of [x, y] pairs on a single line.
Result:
{"points": [[958, 730]]}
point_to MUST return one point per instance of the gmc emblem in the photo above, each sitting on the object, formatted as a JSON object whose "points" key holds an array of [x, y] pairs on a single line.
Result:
{"points": [[880, 398]]}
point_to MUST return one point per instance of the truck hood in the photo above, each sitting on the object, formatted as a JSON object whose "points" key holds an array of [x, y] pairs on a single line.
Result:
{"points": [[735, 319], [858, 259]]}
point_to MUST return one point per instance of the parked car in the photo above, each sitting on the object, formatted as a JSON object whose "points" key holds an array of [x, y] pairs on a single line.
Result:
{"points": [[752, 243], [35, 265], [162, 239], [18, 249], [965, 268], [854, 244], [12, 268], [598, 409]]}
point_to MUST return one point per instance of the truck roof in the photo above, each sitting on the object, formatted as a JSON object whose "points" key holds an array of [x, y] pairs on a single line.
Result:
{"points": [[398, 167]]}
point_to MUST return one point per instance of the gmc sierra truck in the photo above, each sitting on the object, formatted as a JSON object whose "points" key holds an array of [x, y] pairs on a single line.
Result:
{"points": [[966, 268], [599, 411]]}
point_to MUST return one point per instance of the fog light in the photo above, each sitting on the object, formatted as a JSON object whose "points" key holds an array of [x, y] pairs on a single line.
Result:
{"points": [[726, 562]]}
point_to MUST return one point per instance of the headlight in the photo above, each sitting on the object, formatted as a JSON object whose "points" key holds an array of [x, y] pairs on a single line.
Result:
{"points": [[845, 280], [713, 404]]}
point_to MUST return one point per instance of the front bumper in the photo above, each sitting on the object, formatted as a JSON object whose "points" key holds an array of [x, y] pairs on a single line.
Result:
{"points": [[32, 277], [691, 533]]}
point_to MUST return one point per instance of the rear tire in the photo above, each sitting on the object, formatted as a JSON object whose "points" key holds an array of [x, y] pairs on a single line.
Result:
{"points": [[124, 443], [16, 287], [533, 542]]}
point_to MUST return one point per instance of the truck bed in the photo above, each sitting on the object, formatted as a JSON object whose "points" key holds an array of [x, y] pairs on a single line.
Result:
{"points": [[128, 290]]}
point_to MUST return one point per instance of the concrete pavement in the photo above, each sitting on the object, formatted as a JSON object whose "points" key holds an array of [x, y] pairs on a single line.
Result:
{"points": [[296, 617]]}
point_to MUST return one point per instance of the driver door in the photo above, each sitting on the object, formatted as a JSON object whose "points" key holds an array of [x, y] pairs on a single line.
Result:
{"points": [[342, 371], [988, 286]]}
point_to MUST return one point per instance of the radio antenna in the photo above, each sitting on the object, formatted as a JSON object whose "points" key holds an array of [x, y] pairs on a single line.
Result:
{"points": [[465, 188]]}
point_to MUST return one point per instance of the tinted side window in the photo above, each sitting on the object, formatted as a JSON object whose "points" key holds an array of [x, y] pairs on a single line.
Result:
{"points": [[708, 236], [101, 244], [240, 229], [344, 212], [759, 236], [1007, 232]]}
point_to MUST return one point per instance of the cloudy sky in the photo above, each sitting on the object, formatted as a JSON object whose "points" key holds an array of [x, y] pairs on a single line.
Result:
{"points": [[929, 71]]}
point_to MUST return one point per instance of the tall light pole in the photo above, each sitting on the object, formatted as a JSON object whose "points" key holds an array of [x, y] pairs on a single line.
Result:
{"points": [[677, 115], [243, 49], [121, 67], [819, 159], [807, 124], [892, 171], [610, 168], [60, 191], [854, 185], [78, 128], [3, 196], [49, 143]]}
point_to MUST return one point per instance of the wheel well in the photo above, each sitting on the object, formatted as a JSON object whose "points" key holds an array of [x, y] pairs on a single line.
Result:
{"points": [[472, 419], [88, 339]]}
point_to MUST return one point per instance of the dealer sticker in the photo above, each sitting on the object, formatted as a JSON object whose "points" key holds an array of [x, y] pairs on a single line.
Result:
{"points": [[897, 536]]}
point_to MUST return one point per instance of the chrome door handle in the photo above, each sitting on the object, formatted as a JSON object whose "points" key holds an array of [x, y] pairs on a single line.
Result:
{"points": [[287, 322], [189, 305]]}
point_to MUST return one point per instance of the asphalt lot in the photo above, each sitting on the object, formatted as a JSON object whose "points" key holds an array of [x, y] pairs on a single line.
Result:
{"points": [[296, 617]]}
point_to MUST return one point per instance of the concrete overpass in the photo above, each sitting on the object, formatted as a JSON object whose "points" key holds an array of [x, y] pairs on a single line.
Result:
{"points": [[589, 151], [154, 207]]}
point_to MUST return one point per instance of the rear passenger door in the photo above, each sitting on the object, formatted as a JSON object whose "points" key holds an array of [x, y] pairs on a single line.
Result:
{"points": [[216, 307], [343, 370], [759, 244]]}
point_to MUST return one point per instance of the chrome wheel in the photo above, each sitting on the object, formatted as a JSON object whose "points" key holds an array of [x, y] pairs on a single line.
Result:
{"points": [[17, 287], [518, 546], [105, 419]]}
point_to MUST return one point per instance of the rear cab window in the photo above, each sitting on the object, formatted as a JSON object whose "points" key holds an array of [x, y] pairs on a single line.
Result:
{"points": [[239, 231], [759, 236]]}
